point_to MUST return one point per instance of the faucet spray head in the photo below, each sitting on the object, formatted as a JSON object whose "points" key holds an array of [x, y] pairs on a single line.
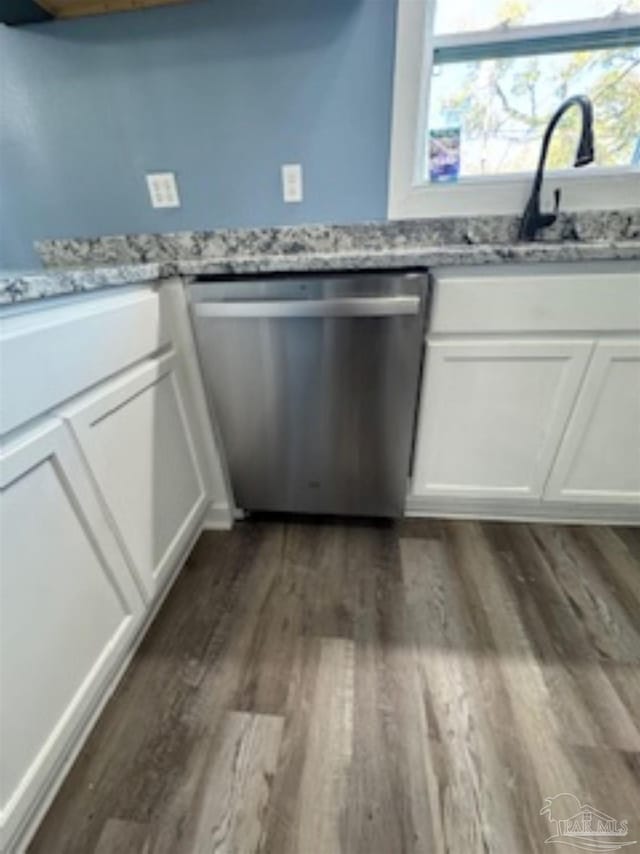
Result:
{"points": [[585, 153]]}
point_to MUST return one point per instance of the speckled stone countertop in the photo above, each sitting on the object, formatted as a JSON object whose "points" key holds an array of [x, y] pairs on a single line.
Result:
{"points": [[409, 257], [91, 263], [23, 286], [301, 244]]}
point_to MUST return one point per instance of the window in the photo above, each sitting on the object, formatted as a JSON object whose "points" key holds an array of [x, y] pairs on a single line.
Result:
{"points": [[478, 81]]}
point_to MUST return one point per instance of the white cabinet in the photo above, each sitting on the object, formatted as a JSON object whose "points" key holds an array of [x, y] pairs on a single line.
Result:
{"points": [[50, 353], [599, 459], [530, 403], [100, 504], [138, 443], [492, 415], [68, 609]]}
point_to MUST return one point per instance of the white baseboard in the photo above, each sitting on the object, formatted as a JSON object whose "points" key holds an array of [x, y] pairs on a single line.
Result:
{"points": [[503, 511], [218, 517]]}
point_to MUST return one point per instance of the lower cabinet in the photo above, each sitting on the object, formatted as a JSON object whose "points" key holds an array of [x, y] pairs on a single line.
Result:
{"points": [[530, 403], [104, 484], [492, 415], [138, 443], [599, 458], [69, 607]]}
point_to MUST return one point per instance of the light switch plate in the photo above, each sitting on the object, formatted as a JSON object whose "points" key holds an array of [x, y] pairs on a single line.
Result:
{"points": [[163, 190], [292, 182]]}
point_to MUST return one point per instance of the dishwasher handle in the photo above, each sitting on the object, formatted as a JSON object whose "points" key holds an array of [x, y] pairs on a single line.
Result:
{"points": [[343, 307]]}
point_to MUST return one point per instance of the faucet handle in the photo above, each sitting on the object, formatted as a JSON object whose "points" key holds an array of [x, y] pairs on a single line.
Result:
{"points": [[547, 219]]}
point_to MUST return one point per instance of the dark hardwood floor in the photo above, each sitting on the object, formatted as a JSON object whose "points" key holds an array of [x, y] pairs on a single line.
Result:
{"points": [[332, 687]]}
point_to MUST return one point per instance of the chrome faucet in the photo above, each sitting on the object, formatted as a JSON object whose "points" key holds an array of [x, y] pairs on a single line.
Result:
{"points": [[533, 219]]}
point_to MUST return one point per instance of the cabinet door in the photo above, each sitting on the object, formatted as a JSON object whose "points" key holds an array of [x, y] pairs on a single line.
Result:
{"points": [[492, 415], [68, 609], [599, 459], [137, 440]]}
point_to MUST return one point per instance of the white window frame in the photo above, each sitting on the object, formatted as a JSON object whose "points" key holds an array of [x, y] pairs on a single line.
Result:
{"points": [[410, 196]]}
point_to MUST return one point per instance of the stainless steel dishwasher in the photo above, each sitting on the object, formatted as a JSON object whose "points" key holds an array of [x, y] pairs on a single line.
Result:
{"points": [[313, 382]]}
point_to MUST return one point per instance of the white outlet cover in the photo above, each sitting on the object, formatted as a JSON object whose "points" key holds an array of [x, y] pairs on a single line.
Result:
{"points": [[163, 190], [292, 182]]}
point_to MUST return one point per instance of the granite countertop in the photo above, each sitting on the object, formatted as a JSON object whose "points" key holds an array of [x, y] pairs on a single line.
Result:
{"points": [[39, 284], [408, 256], [82, 264]]}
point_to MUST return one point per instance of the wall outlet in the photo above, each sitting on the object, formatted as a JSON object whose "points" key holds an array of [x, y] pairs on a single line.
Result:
{"points": [[163, 190], [292, 182]]}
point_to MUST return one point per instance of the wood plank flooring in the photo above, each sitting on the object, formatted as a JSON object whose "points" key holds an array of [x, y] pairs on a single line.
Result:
{"points": [[327, 687]]}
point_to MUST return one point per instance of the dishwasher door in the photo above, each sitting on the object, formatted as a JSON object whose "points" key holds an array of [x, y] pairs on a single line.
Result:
{"points": [[313, 383]]}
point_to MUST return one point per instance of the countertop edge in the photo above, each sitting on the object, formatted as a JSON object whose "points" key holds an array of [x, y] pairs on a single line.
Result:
{"points": [[44, 284], [37, 285], [440, 256]]}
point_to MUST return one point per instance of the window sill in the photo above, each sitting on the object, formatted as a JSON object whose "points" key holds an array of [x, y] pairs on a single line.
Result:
{"points": [[606, 189]]}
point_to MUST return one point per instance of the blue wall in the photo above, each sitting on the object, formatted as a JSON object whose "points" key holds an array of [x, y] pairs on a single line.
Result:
{"points": [[221, 92]]}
